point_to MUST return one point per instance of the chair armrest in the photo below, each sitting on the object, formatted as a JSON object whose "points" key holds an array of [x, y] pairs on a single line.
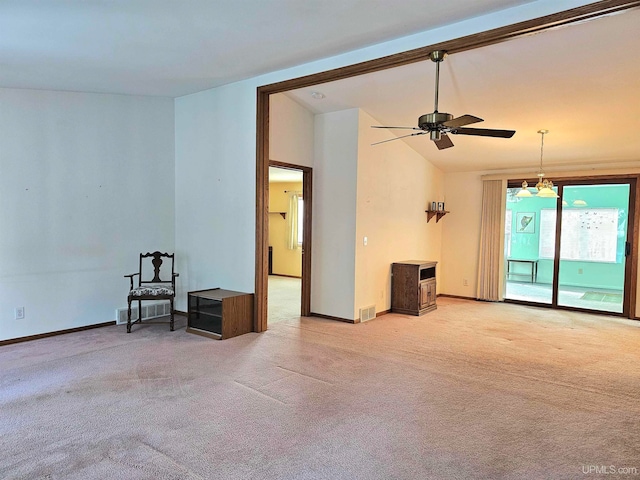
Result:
{"points": [[131, 278]]}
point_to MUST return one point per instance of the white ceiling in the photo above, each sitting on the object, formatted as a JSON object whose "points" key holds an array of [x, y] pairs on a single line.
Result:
{"points": [[176, 47], [580, 82]]}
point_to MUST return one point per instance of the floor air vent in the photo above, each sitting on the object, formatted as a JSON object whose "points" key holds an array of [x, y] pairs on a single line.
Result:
{"points": [[151, 310], [367, 313]]}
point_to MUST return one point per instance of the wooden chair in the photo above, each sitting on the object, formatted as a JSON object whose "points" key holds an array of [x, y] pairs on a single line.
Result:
{"points": [[152, 288]]}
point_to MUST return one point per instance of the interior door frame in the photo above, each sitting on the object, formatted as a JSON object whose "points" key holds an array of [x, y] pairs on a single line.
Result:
{"points": [[469, 42], [633, 229], [307, 196]]}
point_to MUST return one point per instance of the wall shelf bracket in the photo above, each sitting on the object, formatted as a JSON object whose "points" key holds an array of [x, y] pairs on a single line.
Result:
{"points": [[435, 213]]}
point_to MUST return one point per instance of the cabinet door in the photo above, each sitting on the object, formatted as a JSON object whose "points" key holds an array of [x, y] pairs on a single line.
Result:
{"points": [[425, 293], [431, 287]]}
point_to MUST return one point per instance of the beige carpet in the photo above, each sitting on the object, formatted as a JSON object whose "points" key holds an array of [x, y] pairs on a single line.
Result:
{"points": [[284, 298], [471, 390]]}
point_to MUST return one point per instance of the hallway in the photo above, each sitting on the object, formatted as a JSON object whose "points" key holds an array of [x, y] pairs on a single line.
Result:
{"points": [[284, 298]]}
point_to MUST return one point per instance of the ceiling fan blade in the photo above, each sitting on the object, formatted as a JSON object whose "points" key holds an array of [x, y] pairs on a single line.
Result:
{"points": [[462, 120], [483, 132], [444, 142], [405, 128], [398, 138]]}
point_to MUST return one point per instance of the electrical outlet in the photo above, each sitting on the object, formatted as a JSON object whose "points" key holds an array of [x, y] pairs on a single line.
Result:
{"points": [[19, 313], [580, 272], [465, 282]]}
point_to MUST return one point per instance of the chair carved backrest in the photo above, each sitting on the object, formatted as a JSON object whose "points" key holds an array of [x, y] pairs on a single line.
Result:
{"points": [[155, 263]]}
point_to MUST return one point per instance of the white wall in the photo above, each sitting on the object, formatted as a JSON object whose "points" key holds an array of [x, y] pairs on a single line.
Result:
{"points": [[461, 233], [216, 153], [215, 184], [291, 140], [395, 187], [334, 214], [86, 184], [291, 131]]}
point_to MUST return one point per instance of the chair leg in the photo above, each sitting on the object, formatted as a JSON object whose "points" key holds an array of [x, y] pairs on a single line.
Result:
{"points": [[129, 317], [171, 313]]}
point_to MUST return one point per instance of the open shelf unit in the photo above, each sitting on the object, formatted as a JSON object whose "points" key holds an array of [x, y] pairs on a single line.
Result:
{"points": [[218, 313]]}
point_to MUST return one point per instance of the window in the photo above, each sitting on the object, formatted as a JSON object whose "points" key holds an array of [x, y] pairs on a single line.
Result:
{"points": [[589, 235], [300, 219]]}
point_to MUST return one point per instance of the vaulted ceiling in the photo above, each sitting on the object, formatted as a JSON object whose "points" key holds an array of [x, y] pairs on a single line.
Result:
{"points": [[580, 82]]}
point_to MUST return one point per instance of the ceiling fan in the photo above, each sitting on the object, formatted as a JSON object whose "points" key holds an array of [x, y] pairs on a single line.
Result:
{"points": [[438, 125]]}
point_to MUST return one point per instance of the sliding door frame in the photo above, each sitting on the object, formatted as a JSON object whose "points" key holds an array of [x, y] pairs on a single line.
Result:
{"points": [[633, 228]]}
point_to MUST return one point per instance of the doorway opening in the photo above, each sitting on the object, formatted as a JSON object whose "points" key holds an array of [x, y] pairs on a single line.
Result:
{"points": [[289, 238], [469, 42], [572, 251]]}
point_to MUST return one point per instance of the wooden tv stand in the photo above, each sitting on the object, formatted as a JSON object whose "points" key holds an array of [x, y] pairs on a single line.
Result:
{"points": [[413, 287]]}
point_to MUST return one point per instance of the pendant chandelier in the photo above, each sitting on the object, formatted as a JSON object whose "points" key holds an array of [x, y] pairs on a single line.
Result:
{"points": [[544, 186]]}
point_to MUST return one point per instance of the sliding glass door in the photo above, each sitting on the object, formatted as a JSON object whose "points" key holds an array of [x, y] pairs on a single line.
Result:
{"points": [[593, 246], [572, 251], [529, 261]]}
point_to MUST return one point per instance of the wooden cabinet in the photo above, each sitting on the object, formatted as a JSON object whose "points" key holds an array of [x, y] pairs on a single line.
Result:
{"points": [[413, 287], [220, 314]]}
